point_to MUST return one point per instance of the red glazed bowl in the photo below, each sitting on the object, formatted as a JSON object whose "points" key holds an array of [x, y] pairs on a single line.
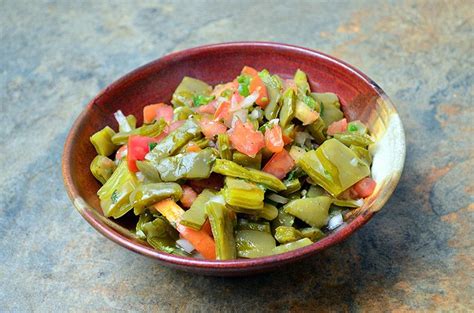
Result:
{"points": [[155, 82]]}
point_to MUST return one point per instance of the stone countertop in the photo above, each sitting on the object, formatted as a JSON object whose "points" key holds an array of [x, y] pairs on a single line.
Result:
{"points": [[416, 254]]}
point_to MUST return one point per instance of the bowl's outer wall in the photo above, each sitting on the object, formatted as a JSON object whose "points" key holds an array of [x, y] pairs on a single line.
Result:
{"points": [[156, 81]]}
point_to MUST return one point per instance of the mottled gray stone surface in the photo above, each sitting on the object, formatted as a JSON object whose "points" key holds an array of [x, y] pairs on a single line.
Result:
{"points": [[416, 254]]}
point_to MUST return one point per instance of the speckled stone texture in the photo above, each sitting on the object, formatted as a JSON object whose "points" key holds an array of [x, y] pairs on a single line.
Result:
{"points": [[416, 254]]}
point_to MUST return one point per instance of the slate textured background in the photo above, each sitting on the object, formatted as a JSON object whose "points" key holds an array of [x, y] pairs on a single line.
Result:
{"points": [[416, 254]]}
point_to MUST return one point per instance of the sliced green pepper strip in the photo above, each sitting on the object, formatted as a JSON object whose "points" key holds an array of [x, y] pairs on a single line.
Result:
{"points": [[196, 216], [333, 166], [229, 168], [149, 171], [223, 143], [292, 185], [292, 246], [247, 161], [174, 141], [268, 212], [313, 211], [273, 85], [327, 98], [244, 224], [301, 82], [147, 194], [243, 194], [315, 191], [312, 233], [285, 234], [115, 192], [102, 141], [288, 107], [193, 165], [182, 113], [102, 168], [318, 130], [148, 130], [132, 122], [222, 230], [354, 139], [362, 153], [254, 244], [187, 90], [347, 203], [162, 236], [282, 219]]}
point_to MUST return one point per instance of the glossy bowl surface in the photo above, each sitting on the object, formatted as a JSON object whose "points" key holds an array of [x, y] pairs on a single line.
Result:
{"points": [[154, 82]]}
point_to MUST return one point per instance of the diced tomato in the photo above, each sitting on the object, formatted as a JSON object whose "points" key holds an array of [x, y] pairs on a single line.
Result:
{"points": [[215, 181], [219, 89], [192, 147], [137, 148], [223, 112], [337, 127], [208, 108], [245, 139], [212, 128], [247, 70], [206, 227], [364, 187], [274, 139], [188, 197], [287, 139], [257, 84], [280, 164], [121, 152], [156, 111]]}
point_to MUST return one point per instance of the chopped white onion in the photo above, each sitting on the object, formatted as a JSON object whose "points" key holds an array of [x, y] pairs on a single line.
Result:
{"points": [[140, 176], [277, 198], [198, 255], [274, 122], [359, 202], [186, 245], [218, 199], [122, 121], [256, 114], [239, 115], [301, 137], [245, 103], [335, 221], [249, 100]]}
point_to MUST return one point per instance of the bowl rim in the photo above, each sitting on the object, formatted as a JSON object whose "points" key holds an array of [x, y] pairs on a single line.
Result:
{"points": [[96, 221]]}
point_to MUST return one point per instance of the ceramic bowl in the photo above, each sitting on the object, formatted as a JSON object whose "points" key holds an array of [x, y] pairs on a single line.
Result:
{"points": [[360, 97]]}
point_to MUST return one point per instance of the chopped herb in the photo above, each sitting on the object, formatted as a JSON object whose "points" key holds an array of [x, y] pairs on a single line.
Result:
{"points": [[202, 100], [152, 145], [352, 128], [114, 197], [227, 93], [244, 82], [296, 173]]}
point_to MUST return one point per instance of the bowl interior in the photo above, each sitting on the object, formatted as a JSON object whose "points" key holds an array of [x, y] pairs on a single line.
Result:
{"points": [[155, 82]]}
